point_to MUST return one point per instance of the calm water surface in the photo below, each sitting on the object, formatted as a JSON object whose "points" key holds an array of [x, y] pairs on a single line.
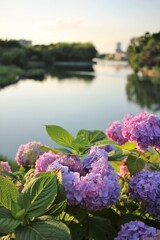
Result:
{"points": [[73, 100]]}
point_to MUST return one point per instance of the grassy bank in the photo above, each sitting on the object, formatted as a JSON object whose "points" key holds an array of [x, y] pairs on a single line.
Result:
{"points": [[9, 75]]}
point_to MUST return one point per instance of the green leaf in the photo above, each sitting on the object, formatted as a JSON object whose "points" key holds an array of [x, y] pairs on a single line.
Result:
{"points": [[38, 195], [115, 165], [127, 218], [7, 222], [78, 231], [109, 214], [43, 230], [55, 150], [155, 158], [63, 150], [8, 193], [47, 149], [60, 202], [60, 135], [128, 146], [135, 164], [118, 155], [90, 137], [100, 229]]}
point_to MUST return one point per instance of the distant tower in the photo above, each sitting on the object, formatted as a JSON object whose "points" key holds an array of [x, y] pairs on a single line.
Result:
{"points": [[118, 47]]}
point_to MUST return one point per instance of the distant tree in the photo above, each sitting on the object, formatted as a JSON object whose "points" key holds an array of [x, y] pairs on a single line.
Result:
{"points": [[144, 51], [16, 56], [9, 43]]}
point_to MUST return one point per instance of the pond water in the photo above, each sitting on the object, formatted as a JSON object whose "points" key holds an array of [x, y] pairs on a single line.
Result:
{"points": [[84, 99]]}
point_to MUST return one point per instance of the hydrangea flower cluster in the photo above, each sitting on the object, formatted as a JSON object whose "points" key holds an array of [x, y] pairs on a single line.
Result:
{"points": [[45, 161], [114, 132], [27, 154], [145, 187], [135, 230], [91, 184], [143, 129], [5, 167]]}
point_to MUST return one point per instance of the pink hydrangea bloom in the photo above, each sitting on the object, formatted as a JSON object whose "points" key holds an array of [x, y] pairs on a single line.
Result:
{"points": [[5, 167], [123, 168], [114, 132], [144, 129], [27, 154], [92, 184]]}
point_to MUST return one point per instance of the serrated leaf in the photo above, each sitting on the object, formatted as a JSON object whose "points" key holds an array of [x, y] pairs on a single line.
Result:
{"points": [[8, 193], [43, 230], [38, 195], [7, 222], [60, 202], [90, 137], [60, 135], [135, 164]]}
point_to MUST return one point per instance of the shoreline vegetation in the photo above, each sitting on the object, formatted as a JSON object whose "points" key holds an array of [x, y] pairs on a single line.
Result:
{"points": [[34, 62], [21, 62], [144, 54]]}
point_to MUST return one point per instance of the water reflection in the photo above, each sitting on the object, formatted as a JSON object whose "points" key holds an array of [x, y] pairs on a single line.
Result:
{"points": [[144, 91], [86, 74], [78, 73]]}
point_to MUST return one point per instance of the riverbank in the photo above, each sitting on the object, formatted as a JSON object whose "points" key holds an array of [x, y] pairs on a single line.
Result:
{"points": [[11, 74]]}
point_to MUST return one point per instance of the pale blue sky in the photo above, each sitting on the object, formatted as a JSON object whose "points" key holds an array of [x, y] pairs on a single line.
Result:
{"points": [[103, 22]]}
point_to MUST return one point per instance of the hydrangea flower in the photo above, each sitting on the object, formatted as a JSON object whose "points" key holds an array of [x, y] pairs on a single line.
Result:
{"points": [[145, 187], [93, 185], [45, 160], [137, 230], [27, 154], [5, 167], [114, 132], [108, 148], [144, 129]]}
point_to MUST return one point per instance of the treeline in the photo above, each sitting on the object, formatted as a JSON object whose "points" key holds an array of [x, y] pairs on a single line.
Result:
{"points": [[12, 53], [144, 52]]}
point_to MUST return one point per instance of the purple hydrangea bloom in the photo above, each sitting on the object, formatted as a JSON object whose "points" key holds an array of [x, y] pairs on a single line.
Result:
{"points": [[108, 148], [72, 162], [95, 186], [114, 132], [100, 186], [94, 154], [145, 187], [27, 154], [137, 230], [144, 129], [44, 161], [5, 167]]}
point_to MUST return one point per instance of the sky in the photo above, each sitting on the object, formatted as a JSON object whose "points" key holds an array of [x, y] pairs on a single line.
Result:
{"points": [[102, 22]]}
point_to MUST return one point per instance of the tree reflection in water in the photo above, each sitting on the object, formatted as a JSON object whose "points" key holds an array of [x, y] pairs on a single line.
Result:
{"points": [[144, 91]]}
